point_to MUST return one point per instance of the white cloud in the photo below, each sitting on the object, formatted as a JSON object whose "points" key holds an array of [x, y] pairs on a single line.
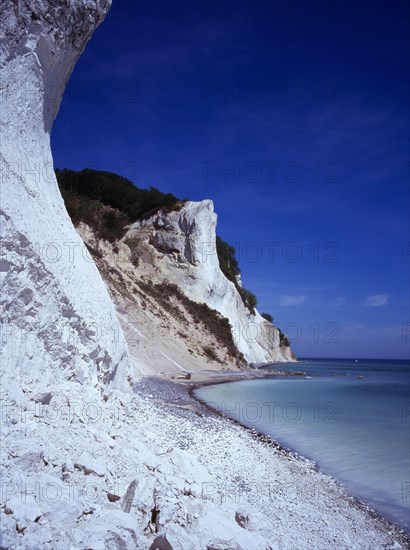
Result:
{"points": [[290, 301], [377, 300]]}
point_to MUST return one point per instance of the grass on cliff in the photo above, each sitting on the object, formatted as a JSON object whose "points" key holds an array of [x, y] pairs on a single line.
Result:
{"points": [[213, 321]]}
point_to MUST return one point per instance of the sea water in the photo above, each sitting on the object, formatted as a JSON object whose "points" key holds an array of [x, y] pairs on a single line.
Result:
{"points": [[351, 417]]}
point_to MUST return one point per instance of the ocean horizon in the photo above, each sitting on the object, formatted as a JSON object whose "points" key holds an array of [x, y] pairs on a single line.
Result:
{"points": [[351, 417]]}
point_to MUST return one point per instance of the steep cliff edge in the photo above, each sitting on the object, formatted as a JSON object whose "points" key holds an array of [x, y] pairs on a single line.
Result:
{"points": [[58, 321], [179, 247]]}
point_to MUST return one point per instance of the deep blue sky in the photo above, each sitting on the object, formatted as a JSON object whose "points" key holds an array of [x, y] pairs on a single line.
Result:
{"points": [[294, 118]]}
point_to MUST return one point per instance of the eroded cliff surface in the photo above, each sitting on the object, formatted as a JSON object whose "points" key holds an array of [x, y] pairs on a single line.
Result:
{"points": [[58, 321], [180, 247]]}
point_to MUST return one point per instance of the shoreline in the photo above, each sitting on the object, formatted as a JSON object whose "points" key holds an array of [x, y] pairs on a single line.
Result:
{"points": [[166, 471], [207, 378], [192, 386]]}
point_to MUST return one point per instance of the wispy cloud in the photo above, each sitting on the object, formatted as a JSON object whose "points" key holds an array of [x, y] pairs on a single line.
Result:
{"points": [[353, 330], [377, 300], [291, 301], [352, 326], [339, 301]]}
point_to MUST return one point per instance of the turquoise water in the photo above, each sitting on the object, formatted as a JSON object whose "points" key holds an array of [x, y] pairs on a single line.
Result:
{"points": [[351, 418]]}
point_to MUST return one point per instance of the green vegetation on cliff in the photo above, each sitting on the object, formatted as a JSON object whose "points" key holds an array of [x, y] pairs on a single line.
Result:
{"points": [[108, 203], [115, 191], [215, 323], [230, 268]]}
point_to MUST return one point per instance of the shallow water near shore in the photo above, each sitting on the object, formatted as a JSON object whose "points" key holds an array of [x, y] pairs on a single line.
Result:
{"points": [[351, 418]]}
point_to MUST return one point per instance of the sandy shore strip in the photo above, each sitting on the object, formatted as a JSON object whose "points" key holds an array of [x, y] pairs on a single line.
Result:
{"points": [[205, 378]]}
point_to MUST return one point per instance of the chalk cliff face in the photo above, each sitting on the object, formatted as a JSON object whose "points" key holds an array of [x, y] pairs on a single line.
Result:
{"points": [[58, 321], [179, 247]]}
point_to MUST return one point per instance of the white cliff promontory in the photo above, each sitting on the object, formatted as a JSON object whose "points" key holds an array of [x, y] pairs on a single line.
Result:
{"points": [[180, 247], [58, 321]]}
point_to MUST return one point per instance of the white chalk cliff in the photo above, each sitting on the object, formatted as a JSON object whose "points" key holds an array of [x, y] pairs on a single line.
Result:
{"points": [[58, 321], [85, 464], [180, 247]]}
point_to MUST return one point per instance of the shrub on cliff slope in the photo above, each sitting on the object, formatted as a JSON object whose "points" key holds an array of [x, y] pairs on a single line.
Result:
{"points": [[227, 259], [230, 268], [108, 223], [214, 322], [268, 317], [86, 193], [283, 338]]}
